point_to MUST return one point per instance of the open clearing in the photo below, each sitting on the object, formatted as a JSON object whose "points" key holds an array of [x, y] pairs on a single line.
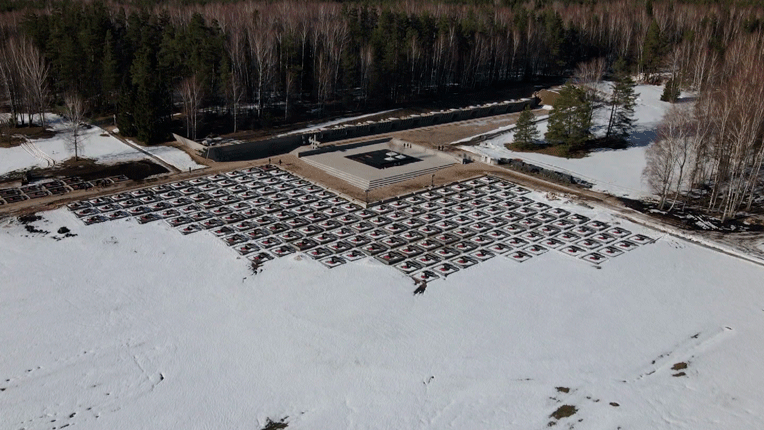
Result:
{"points": [[127, 326]]}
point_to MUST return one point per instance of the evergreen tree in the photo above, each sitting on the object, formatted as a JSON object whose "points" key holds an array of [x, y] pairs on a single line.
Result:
{"points": [[671, 91], [526, 132], [570, 120], [622, 102], [652, 51]]}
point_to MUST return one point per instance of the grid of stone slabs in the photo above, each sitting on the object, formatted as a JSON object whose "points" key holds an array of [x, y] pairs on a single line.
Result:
{"points": [[266, 213]]}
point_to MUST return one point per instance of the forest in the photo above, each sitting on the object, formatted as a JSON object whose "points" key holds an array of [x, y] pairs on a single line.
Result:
{"points": [[252, 64]]}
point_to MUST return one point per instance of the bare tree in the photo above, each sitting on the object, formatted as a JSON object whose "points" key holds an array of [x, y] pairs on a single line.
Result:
{"points": [[589, 75], [34, 73], [191, 92], [75, 112]]}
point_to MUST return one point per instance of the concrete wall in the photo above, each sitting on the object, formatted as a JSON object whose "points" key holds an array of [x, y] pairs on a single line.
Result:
{"points": [[282, 145]]}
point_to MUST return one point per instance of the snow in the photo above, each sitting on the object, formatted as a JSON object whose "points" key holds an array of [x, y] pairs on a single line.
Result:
{"points": [[618, 172], [96, 144], [129, 326], [328, 124]]}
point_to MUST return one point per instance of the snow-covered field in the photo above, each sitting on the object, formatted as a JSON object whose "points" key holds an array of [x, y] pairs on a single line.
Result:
{"points": [[96, 144], [129, 326], [618, 172]]}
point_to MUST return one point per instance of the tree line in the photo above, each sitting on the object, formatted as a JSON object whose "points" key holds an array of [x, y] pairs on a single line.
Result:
{"points": [[256, 61]]}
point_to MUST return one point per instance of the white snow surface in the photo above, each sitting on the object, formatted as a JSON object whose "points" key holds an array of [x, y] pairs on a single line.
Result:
{"points": [[619, 171], [337, 121], [129, 326], [96, 144]]}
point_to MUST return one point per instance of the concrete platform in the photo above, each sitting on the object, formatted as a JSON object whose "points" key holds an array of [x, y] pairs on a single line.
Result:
{"points": [[335, 161]]}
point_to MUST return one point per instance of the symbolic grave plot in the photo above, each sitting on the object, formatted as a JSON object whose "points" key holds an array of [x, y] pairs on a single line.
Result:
{"points": [[412, 223], [597, 225], [547, 230], [538, 206], [568, 236], [398, 205], [285, 215], [394, 228], [390, 257], [529, 223], [117, 215], [396, 216], [223, 231], [583, 230], [318, 253], [594, 258], [364, 214], [256, 233], [610, 251], [263, 220], [339, 247], [76, 206], [573, 250], [302, 210], [413, 211], [126, 204], [212, 223], [477, 215], [445, 202], [290, 236], [362, 226], [464, 247], [310, 230], [333, 261], [521, 200], [604, 238], [246, 248], [482, 254], [425, 275], [269, 242], [461, 209], [444, 191], [181, 201], [551, 243], [525, 211], [463, 232], [576, 218], [427, 260], [289, 203], [477, 203], [618, 232], [329, 224], [444, 213], [445, 252], [316, 217], [175, 222], [475, 193], [481, 240], [373, 248], [260, 257], [359, 240], [379, 221], [240, 207], [235, 239], [210, 204], [429, 206], [429, 195], [324, 238], [494, 211], [220, 210], [535, 249], [353, 255], [410, 236], [190, 228], [109, 207], [511, 217], [459, 187], [588, 243], [381, 209], [277, 228], [231, 218], [531, 236], [498, 248], [519, 256], [640, 239], [464, 262], [158, 206], [447, 238], [461, 198], [505, 195], [343, 232], [446, 225], [543, 218], [414, 200], [149, 217], [410, 250], [563, 224], [428, 230], [95, 219], [376, 235], [445, 269], [429, 244], [516, 242], [462, 220], [557, 212], [480, 227], [625, 245], [429, 218], [408, 266], [282, 250]]}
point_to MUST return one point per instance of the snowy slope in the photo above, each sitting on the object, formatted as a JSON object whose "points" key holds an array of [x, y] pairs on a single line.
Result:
{"points": [[129, 326], [618, 172], [96, 144]]}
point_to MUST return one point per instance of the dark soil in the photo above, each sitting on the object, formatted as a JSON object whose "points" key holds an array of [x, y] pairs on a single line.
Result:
{"points": [[34, 132], [564, 411], [30, 218], [690, 218], [89, 170], [276, 425], [563, 389]]}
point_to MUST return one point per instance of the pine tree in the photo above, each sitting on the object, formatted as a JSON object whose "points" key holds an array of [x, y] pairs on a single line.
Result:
{"points": [[652, 51], [526, 132], [671, 91], [570, 120], [622, 103]]}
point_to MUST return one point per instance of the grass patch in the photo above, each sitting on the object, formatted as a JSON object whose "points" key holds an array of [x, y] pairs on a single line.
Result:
{"points": [[679, 366], [563, 389]]}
